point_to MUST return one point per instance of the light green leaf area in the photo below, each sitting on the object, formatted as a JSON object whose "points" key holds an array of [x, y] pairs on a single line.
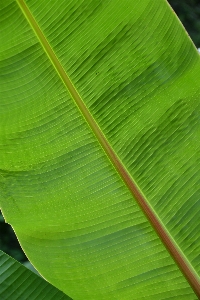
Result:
{"points": [[19, 283], [138, 74]]}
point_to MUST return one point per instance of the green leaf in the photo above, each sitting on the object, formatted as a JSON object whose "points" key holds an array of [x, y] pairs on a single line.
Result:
{"points": [[100, 146], [19, 283]]}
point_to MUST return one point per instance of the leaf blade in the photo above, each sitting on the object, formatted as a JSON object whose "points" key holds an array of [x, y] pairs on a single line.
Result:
{"points": [[93, 159], [17, 282]]}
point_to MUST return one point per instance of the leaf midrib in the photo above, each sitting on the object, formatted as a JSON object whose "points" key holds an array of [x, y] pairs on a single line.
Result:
{"points": [[178, 256]]}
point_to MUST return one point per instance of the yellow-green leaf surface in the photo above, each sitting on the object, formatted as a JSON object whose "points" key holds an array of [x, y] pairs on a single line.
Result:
{"points": [[19, 283], [99, 141]]}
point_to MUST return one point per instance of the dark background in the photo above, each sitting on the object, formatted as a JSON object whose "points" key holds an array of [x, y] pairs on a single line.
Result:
{"points": [[188, 12]]}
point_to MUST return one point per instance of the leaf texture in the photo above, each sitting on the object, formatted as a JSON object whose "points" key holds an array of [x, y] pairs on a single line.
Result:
{"points": [[19, 283], [137, 74]]}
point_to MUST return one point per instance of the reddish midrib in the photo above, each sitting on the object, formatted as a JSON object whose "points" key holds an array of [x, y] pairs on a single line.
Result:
{"points": [[181, 261]]}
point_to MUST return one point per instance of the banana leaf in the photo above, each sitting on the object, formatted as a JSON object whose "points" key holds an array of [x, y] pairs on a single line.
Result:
{"points": [[19, 283], [100, 148]]}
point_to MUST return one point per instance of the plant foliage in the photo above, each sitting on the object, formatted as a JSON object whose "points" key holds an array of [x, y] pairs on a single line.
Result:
{"points": [[100, 146]]}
